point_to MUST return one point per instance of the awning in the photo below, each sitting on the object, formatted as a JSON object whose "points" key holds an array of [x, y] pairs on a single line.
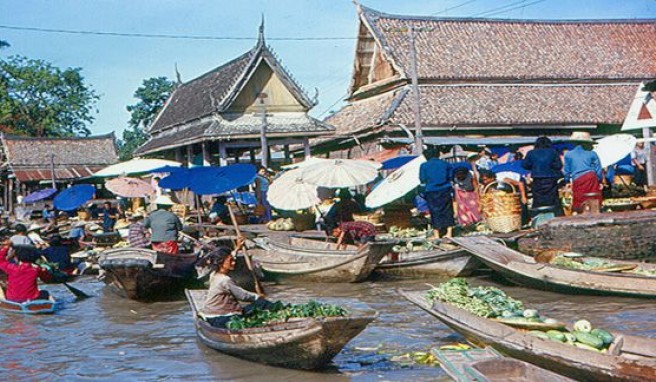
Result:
{"points": [[480, 141], [71, 172]]}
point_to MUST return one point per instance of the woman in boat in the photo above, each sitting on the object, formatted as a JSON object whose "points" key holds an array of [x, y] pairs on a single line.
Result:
{"points": [[583, 169], [59, 254], [359, 233], [342, 211], [20, 237], [223, 296], [138, 235], [466, 196], [546, 169], [22, 277], [164, 226], [436, 176]]}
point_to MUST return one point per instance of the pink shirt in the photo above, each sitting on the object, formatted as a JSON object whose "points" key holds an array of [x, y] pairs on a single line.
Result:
{"points": [[22, 278]]}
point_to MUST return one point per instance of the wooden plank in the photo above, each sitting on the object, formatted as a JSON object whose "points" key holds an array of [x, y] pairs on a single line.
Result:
{"points": [[487, 248]]}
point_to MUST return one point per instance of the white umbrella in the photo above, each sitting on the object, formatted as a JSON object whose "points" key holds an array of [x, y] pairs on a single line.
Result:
{"points": [[308, 161], [135, 166], [397, 184], [614, 148], [339, 173], [289, 192]]}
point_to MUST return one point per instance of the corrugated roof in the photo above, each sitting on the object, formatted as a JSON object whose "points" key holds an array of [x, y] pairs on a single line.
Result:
{"points": [[465, 49]]}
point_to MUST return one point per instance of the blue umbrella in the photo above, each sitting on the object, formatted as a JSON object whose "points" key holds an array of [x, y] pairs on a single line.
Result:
{"points": [[73, 197], [39, 195], [514, 166], [177, 180], [397, 162], [217, 180]]}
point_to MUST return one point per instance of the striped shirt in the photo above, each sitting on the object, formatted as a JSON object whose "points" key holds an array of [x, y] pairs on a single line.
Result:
{"points": [[358, 229], [137, 236]]}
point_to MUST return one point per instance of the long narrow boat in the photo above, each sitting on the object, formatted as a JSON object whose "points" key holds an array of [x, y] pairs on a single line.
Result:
{"points": [[142, 274], [314, 260], [307, 343], [629, 358], [525, 270], [456, 262], [48, 306], [629, 235]]}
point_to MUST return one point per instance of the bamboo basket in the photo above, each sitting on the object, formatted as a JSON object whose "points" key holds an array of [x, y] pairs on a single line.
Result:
{"points": [[303, 222], [502, 210]]}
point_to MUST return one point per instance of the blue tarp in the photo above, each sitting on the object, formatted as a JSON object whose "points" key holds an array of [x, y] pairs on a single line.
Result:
{"points": [[73, 197], [217, 180], [397, 162]]}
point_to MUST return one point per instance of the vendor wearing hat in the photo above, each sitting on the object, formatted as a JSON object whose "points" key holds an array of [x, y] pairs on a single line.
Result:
{"points": [[164, 226], [583, 170]]}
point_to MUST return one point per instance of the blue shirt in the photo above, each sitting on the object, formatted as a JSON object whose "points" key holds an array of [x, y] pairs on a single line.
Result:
{"points": [[580, 161], [264, 183], [435, 175], [543, 163]]}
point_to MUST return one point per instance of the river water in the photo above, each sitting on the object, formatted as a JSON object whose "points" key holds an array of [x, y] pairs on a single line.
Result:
{"points": [[108, 338]]}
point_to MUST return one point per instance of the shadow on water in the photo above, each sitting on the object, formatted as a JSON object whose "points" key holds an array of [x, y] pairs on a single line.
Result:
{"points": [[109, 338]]}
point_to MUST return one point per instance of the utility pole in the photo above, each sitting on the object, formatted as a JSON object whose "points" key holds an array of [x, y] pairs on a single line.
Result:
{"points": [[52, 170], [414, 78], [263, 129]]}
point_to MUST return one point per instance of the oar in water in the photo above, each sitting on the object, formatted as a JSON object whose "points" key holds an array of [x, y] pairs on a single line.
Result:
{"points": [[78, 293]]}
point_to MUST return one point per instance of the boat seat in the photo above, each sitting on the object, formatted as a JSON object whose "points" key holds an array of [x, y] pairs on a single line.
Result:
{"points": [[615, 348]]}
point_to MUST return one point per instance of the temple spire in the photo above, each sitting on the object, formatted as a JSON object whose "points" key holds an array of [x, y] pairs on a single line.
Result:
{"points": [[260, 36]]}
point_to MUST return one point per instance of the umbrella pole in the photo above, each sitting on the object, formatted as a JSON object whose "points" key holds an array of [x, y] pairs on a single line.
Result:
{"points": [[249, 264], [198, 214]]}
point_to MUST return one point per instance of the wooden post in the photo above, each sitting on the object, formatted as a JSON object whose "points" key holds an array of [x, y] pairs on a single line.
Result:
{"points": [[190, 155], [419, 135], [646, 133], [223, 155], [287, 157], [251, 153], [52, 170], [11, 196], [178, 154], [306, 148], [264, 145], [206, 154]]}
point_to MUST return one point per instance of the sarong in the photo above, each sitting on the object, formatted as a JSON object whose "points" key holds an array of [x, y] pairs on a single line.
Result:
{"points": [[440, 205], [545, 194], [468, 208], [582, 189], [167, 247]]}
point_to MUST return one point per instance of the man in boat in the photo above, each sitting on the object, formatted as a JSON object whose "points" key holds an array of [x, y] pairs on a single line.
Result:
{"points": [[358, 232], [342, 211], [219, 211], [58, 253], [22, 277], [583, 169], [436, 176], [138, 235], [164, 226], [223, 296], [110, 214]]}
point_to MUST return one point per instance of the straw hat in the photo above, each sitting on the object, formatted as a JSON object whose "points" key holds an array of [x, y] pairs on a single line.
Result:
{"points": [[94, 227], [164, 200], [581, 136], [33, 227]]}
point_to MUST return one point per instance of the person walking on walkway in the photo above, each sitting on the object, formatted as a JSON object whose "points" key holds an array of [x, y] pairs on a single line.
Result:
{"points": [[435, 176], [546, 169]]}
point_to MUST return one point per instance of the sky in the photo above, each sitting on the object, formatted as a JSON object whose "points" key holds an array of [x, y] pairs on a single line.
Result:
{"points": [[116, 66]]}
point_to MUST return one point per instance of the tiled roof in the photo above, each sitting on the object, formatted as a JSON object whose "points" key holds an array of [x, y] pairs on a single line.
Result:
{"points": [[465, 49], [518, 105], [30, 158], [232, 126], [201, 96]]}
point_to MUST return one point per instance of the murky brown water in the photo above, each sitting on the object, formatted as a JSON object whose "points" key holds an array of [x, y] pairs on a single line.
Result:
{"points": [[108, 338]]}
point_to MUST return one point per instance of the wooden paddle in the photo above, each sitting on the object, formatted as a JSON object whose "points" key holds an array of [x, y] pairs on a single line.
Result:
{"points": [[80, 295], [249, 264]]}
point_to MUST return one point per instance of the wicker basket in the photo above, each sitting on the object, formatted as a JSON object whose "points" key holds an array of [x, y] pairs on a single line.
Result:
{"points": [[398, 215], [502, 210]]}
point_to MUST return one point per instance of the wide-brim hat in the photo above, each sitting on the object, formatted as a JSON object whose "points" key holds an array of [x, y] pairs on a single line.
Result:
{"points": [[164, 200], [94, 227], [33, 227], [581, 136]]}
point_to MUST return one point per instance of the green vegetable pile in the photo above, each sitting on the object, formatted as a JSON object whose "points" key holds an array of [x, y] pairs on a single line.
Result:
{"points": [[481, 301], [597, 264], [281, 312], [583, 337]]}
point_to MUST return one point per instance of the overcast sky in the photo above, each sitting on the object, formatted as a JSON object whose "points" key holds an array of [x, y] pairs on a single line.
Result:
{"points": [[116, 66]]}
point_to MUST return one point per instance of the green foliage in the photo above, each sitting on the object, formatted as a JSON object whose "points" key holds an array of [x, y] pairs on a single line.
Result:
{"points": [[42, 100], [482, 301], [650, 86], [280, 312], [152, 95]]}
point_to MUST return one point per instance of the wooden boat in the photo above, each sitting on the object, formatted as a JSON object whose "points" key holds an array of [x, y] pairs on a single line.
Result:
{"points": [[629, 358], [487, 365], [307, 343], [314, 260], [48, 306], [629, 235], [456, 262], [142, 274], [525, 270]]}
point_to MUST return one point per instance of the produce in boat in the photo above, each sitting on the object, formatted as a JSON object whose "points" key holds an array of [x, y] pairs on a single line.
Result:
{"points": [[280, 312]]}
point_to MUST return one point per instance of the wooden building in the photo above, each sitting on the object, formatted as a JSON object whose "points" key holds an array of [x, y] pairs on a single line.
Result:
{"points": [[489, 77], [31, 163], [238, 107]]}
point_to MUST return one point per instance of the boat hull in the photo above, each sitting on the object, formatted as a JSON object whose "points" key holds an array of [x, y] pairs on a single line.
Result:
{"points": [[310, 260], [304, 344], [639, 364], [620, 235], [30, 307], [144, 274], [455, 263]]}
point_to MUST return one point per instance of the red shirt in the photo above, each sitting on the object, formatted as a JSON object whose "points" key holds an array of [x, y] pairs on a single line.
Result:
{"points": [[358, 229], [22, 278]]}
